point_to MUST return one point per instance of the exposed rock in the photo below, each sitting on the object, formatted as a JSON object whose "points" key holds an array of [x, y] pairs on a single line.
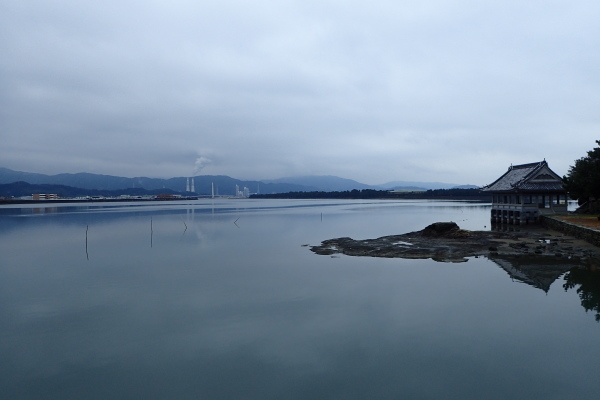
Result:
{"points": [[444, 230], [446, 242]]}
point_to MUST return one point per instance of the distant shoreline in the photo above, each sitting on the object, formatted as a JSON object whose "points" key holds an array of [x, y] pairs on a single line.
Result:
{"points": [[436, 194], [474, 195], [62, 201]]}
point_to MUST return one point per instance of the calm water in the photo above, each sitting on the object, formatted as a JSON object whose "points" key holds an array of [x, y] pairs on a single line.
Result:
{"points": [[221, 300]]}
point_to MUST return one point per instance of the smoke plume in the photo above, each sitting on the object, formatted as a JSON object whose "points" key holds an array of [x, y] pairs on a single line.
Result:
{"points": [[200, 163]]}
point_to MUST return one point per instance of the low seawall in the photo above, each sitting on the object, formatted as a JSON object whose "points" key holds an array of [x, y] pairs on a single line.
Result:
{"points": [[589, 235]]}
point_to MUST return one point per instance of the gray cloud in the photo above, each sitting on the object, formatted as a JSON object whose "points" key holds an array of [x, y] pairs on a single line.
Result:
{"points": [[404, 90]]}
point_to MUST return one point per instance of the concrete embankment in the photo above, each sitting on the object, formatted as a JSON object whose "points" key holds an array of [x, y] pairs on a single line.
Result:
{"points": [[589, 235]]}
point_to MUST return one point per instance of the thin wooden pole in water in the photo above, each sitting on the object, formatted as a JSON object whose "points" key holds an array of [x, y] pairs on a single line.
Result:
{"points": [[87, 227], [151, 232], [185, 230]]}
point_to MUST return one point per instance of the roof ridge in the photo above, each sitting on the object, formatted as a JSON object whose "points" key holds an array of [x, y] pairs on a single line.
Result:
{"points": [[536, 167], [517, 175], [528, 165]]}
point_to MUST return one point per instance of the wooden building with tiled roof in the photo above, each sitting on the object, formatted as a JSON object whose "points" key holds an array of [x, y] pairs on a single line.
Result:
{"points": [[525, 192]]}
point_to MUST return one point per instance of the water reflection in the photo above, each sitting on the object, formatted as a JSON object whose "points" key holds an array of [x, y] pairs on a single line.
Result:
{"points": [[214, 310], [586, 283], [537, 272], [542, 272]]}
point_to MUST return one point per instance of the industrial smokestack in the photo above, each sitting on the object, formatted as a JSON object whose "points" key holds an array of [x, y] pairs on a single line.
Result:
{"points": [[187, 184], [193, 189]]}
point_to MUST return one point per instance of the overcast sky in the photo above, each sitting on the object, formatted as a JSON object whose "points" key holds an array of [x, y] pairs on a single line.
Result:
{"points": [[450, 91]]}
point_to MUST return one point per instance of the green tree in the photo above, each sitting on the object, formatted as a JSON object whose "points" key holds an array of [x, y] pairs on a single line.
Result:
{"points": [[582, 182]]}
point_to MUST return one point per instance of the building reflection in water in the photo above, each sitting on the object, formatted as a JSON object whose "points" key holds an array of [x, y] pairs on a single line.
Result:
{"points": [[542, 272], [538, 272]]}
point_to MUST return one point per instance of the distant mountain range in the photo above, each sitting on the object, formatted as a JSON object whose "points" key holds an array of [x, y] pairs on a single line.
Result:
{"points": [[223, 185], [398, 185], [330, 183], [326, 183]]}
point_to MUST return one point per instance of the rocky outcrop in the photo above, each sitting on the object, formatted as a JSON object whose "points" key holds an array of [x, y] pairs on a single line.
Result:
{"points": [[446, 242]]}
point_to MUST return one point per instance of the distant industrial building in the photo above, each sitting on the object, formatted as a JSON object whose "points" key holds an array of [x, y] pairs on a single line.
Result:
{"points": [[44, 196], [245, 193], [168, 196]]}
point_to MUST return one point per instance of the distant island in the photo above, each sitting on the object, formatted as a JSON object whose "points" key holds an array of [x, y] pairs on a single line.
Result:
{"points": [[439, 194]]}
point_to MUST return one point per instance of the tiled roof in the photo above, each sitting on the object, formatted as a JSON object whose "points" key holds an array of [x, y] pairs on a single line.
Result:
{"points": [[517, 178], [542, 186]]}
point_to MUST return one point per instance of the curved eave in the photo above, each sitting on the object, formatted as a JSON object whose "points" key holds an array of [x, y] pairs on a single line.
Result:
{"points": [[540, 190]]}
